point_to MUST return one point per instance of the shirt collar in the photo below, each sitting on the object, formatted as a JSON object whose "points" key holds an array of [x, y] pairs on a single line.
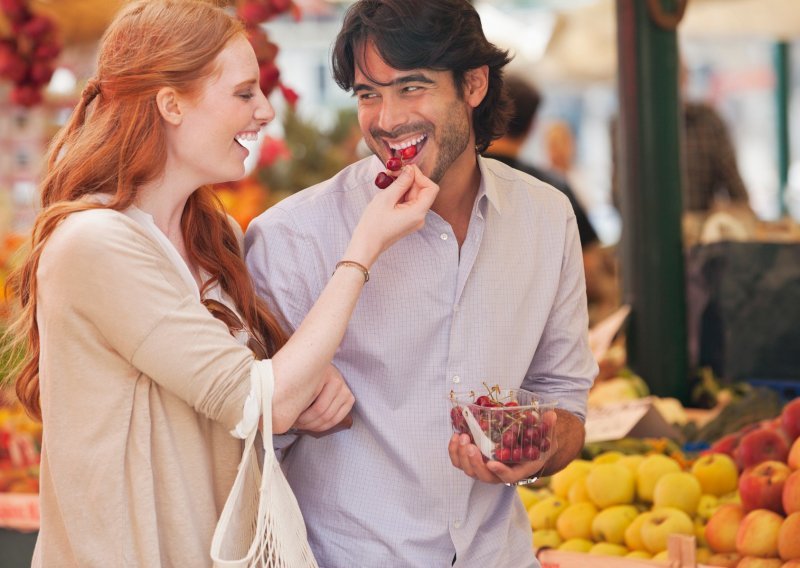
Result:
{"points": [[488, 186]]}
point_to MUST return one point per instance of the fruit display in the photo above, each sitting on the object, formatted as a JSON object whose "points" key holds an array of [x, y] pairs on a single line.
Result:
{"points": [[20, 444], [27, 56], [742, 506], [511, 426]]}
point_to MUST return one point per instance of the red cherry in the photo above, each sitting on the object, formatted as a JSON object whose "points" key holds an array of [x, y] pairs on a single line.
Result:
{"points": [[383, 180], [531, 453], [544, 445], [394, 164], [484, 401], [408, 152], [509, 440], [531, 418], [512, 403], [516, 455], [504, 454]]}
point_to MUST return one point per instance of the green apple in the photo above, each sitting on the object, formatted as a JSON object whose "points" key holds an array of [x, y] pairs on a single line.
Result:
{"points": [[664, 522], [609, 524], [650, 471], [679, 490], [717, 474], [610, 484], [576, 521]]}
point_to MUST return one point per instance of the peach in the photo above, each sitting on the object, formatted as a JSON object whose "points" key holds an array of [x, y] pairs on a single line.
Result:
{"points": [[758, 534]]}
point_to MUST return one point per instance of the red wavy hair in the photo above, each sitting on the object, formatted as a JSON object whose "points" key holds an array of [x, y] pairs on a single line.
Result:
{"points": [[114, 142]]}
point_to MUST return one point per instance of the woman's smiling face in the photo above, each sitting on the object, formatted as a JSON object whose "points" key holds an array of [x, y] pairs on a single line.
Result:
{"points": [[229, 107]]}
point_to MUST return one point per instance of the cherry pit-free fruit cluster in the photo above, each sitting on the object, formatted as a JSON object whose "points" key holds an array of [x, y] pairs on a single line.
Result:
{"points": [[394, 165], [510, 418]]}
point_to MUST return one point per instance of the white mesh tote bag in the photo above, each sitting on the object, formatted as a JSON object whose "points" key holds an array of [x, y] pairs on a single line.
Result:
{"points": [[261, 525]]}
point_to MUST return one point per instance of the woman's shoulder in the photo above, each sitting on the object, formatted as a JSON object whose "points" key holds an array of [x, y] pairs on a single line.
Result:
{"points": [[96, 234]]}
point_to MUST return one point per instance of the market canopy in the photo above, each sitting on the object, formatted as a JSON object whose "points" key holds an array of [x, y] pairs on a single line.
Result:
{"points": [[583, 43]]}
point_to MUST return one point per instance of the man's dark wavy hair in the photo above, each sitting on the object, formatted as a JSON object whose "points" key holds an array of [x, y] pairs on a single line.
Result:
{"points": [[443, 35]]}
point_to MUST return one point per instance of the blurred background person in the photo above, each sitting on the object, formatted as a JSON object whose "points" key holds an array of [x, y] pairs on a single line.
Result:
{"points": [[712, 180], [526, 99], [598, 262]]}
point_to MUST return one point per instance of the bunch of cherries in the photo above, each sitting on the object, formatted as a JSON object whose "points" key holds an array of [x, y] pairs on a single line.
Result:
{"points": [[394, 165], [27, 58], [253, 13], [518, 433]]}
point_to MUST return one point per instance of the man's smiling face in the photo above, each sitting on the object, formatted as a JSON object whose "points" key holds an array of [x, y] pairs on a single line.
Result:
{"points": [[420, 107]]}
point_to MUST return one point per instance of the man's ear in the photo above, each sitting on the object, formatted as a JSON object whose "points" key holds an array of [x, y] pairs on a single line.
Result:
{"points": [[476, 83], [169, 105]]}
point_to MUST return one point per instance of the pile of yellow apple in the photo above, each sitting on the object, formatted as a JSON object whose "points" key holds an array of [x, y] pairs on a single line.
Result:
{"points": [[628, 505]]}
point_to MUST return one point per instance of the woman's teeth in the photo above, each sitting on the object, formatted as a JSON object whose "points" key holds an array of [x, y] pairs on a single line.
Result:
{"points": [[247, 136]]}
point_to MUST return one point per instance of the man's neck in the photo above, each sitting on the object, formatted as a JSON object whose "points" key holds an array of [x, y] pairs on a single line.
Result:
{"points": [[457, 191]]}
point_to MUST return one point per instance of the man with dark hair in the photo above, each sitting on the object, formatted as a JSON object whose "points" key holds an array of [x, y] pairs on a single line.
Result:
{"points": [[490, 291], [526, 100]]}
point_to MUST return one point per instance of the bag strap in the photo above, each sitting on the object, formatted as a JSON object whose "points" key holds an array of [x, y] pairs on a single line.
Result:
{"points": [[267, 384]]}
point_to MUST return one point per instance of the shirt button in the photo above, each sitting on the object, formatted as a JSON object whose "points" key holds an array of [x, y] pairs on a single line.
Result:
{"points": [[456, 379], [457, 523], [456, 308], [443, 236]]}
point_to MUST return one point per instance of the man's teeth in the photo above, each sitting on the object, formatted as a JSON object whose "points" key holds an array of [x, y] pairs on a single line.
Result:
{"points": [[247, 136], [407, 143]]}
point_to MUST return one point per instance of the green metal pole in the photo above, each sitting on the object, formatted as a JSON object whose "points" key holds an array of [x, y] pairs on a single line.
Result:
{"points": [[781, 59], [650, 132]]}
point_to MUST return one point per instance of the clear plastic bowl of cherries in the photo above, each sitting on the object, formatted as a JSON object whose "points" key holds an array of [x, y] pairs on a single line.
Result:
{"points": [[507, 425]]}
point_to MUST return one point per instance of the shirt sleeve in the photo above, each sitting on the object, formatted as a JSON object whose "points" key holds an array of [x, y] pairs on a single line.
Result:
{"points": [[115, 277], [563, 365], [280, 261]]}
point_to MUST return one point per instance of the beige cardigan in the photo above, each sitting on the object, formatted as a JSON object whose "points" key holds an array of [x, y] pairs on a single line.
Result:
{"points": [[139, 389]]}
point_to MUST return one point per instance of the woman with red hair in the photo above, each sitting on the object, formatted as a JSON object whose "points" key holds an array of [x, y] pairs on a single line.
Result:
{"points": [[144, 394]]}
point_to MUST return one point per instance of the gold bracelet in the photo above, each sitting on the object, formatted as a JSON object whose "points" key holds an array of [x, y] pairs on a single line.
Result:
{"points": [[354, 264]]}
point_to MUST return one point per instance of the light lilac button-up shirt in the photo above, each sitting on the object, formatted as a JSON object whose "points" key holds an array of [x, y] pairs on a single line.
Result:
{"points": [[509, 309]]}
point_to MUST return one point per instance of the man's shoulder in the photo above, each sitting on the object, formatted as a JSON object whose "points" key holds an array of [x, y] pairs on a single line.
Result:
{"points": [[511, 178]]}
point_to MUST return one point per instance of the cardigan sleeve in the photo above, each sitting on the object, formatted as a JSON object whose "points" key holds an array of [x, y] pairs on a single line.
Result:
{"points": [[116, 278]]}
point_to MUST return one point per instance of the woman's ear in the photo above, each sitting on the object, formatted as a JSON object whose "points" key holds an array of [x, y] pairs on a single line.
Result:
{"points": [[169, 105], [476, 83]]}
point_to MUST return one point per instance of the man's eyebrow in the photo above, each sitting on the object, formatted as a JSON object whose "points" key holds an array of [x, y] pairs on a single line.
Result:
{"points": [[413, 78]]}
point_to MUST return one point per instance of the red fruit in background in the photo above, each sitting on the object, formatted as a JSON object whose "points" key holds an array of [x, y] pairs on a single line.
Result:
{"points": [[254, 13], [281, 5], [289, 94], [12, 66], [37, 27], [761, 487], [25, 95], [265, 50], [790, 419], [268, 76], [726, 445], [759, 446], [47, 50], [41, 73], [14, 9]]}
